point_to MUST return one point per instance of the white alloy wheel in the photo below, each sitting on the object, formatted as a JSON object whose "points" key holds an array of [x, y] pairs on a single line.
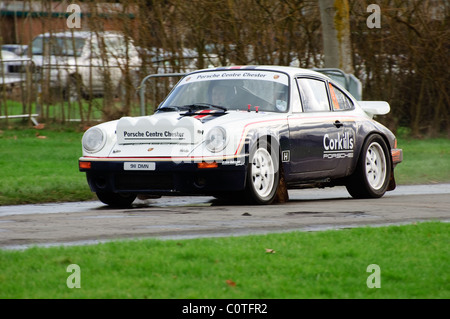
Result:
{"points": [[375, 166], [263, 172], [373, 170]]}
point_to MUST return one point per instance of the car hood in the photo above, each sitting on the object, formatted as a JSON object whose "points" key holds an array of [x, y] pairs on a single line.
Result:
{"points": [[177, 128], [171, 135]]}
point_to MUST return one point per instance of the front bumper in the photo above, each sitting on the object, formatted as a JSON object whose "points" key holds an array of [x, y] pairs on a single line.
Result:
{"points": [[167, 177]]}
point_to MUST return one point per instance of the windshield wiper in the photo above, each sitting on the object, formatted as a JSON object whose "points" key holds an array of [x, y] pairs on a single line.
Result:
{"points": [[170, 109], [191, 108], [204, 106]]}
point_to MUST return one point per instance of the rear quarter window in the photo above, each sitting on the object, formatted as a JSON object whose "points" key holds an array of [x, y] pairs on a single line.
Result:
{"points": [[340, 101]]}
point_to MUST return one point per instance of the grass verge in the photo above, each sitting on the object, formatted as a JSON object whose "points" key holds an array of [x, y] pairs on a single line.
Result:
{"points": [[425, 161], [41, 166], [413, 262]]}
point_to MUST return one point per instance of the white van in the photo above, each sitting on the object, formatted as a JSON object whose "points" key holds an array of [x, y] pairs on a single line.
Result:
{"points": [[86, 62]]}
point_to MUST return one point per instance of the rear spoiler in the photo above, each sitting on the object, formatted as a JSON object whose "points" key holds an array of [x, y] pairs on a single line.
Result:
{"points": [[373, 108]]}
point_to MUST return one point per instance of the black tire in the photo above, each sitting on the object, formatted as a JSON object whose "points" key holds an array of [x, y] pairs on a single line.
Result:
{"points": [[263, 174], [373, 171], [117, 200]]}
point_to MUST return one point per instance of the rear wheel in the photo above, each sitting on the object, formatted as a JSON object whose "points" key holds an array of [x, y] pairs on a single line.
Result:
{"points": [[118, 200], [372, 174], [263, 173]]}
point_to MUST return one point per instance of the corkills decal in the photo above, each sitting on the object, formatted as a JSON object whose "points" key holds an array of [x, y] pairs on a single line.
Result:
{"points": [[339, 145]]}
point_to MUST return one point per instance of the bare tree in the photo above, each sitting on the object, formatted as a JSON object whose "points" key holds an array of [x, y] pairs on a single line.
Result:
{"points": [[336, 34]]}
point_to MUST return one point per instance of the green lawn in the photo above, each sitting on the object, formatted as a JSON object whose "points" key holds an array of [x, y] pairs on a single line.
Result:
{"points": [[425, 161], [413, 263], [41, 166]]}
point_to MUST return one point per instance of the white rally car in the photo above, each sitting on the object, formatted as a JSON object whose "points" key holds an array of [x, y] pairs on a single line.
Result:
{"points": [[248, 132]]}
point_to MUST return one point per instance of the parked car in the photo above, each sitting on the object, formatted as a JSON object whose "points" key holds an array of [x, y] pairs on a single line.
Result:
{"points": [[167, 62], [13, 68], [244, 132], [18, 49], [82, 62]]}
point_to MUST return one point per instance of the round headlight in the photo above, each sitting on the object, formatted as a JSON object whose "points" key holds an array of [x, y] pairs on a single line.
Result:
{"points": [[93, 140], [216, 139]]}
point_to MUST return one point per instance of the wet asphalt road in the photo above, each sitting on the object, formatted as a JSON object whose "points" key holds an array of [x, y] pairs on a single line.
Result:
{"points": [[188, 217]]}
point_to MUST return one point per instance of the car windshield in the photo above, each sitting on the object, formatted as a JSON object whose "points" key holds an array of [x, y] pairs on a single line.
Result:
{"points": [[59, 46], [232, 90], [113, 46]]}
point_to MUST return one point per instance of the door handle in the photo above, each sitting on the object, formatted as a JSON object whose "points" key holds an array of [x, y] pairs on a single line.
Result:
{"points": [[338, 124]]}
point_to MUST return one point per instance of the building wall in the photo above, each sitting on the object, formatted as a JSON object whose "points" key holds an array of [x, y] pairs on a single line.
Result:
{"points": [[20, 22]]}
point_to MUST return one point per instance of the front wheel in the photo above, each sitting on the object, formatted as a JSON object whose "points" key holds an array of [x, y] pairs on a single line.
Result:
{"points": [[373, 171], [263, 174], [117, 200]]}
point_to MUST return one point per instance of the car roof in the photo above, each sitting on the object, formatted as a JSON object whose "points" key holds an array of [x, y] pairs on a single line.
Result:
{"points": [[12, 46], [291, 71]]}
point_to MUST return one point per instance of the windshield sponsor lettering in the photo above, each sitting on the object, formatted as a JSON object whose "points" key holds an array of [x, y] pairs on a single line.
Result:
{"points": [[231, 75], [236, 75]]}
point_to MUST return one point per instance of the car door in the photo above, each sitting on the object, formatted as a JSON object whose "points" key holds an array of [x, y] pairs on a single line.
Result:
{"points": [[101, 69], [93, 65], [342, 149], [313, 132]]}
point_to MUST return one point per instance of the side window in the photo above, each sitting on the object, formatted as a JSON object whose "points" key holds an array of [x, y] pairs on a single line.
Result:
{"points": [[313, 94], [339, 99]]}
